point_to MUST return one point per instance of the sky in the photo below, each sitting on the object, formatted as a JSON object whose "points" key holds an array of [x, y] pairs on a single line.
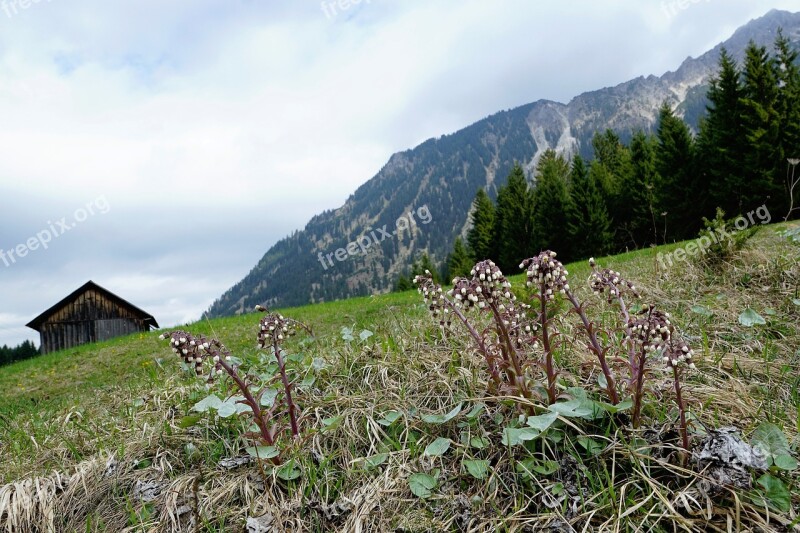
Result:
{"points": [[160, 148]]}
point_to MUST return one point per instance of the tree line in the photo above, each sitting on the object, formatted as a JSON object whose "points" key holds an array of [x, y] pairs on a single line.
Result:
{"points": [[658, 187], [26, 350]]}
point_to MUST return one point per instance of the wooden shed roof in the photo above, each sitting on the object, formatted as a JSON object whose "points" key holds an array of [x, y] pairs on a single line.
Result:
{"points": [[37, 322]]}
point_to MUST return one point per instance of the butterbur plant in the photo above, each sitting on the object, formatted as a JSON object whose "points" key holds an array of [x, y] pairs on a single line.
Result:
{"points": [[487, 291], [507, 344], [549, 277], [210, 358]]}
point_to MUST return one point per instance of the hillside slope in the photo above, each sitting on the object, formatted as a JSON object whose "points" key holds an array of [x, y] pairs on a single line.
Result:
{"points": [[107, 438], [442, 176]]}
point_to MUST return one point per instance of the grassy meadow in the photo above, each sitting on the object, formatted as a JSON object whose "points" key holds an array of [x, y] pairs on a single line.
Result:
{"points": [[398, 431]]}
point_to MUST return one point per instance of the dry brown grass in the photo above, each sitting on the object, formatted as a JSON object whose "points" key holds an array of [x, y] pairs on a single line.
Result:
{"points": [[745, 375]]}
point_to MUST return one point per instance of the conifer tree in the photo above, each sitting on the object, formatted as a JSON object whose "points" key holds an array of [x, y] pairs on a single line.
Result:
{"points": [[550, 200], [588, 223], [681, 193], [720, 144], [761, 122], [642, 189], [513, 220], [788, 106], [459, 263], [480, 238], [611, 170]]}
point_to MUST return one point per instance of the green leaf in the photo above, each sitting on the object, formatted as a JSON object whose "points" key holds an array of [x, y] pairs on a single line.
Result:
{"points": [[624, 405], [375, 461], [750, 318], [390, 418], [475, 411], [365, 334], [773, 443], [577, 408], [226, 409], [331, 423], [289, 471], [437, 447], [318, 364], [240, 407], [441, 419], [785, 462], [700, 310], [516, 436], [591, 446], [477, 468], [262, 452], [268, 398], [189, 420], [307, 382], [209, 402], [421, 485], [542, 422], [479, 442], [776, 493], [546, 467]]}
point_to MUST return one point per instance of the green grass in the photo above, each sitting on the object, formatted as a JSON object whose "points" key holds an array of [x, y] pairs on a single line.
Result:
{"points": [[127, 401]]}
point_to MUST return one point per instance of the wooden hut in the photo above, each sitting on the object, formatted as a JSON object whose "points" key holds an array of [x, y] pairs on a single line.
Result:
{"points": [[89, 314]]}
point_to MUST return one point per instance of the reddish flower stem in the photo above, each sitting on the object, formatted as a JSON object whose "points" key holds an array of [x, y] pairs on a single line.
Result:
{"points": [[594, 345], [681, 408], [548, 350]]}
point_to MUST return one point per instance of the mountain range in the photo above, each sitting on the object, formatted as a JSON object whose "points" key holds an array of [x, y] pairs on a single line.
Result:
{"points": [[421, 199]]}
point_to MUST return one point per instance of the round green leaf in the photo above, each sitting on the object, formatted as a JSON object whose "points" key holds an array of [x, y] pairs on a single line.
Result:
{"points": [[437, 447], [750, 318], [421, 485], [262, 452], [477, 468]]}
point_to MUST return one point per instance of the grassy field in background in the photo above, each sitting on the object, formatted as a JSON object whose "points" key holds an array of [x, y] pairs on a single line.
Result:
{"points": [[83, 430]]}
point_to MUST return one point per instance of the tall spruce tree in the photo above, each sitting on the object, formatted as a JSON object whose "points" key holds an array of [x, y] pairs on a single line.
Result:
{"points": [[762, 181], [480, 238], [513, 220], [588, 223], [611, 170], [788, 106], [640, 226], [721, 142], [550, 200], [681, 192], [459, 263]]}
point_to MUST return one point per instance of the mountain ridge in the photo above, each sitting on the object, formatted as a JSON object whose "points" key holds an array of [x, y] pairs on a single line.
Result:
{"points": [[443, 173]]}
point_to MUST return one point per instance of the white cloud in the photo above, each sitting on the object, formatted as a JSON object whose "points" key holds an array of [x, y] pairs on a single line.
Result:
{"points": [[216, 127]]}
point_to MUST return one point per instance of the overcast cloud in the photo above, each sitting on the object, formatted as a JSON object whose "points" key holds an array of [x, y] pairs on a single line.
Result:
{"points": [[211, 129]]}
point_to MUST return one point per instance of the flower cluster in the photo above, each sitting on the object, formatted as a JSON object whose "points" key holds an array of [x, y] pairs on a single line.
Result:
{"points": [[487, 286], [433, 295], [604, 280], [655, 333], [677, 352], [547, 273], [274, 328], [652, 331], [195, 350]]}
